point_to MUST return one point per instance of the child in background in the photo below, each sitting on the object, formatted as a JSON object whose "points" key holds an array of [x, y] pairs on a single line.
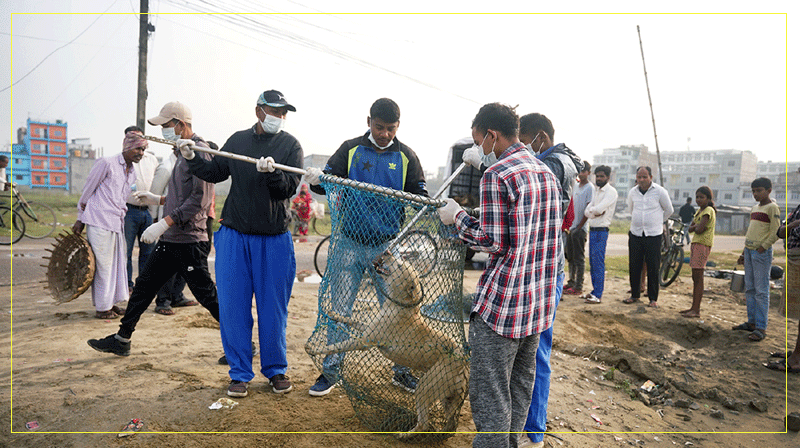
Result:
{"points": [[703, 223], [765, 218]]}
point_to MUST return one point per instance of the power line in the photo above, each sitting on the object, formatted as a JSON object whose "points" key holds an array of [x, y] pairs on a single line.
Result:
{"points": [[51, 53]]}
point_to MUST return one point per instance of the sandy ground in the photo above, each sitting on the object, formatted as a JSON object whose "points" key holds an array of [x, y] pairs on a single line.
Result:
{"points": [[712, 388]]}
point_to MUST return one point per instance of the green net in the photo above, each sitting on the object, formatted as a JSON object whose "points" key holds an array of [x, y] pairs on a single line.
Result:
{"points": [[390, 324]]}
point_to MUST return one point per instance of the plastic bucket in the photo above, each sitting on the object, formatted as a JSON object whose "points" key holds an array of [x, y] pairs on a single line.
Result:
{"points": [[737, 281]]}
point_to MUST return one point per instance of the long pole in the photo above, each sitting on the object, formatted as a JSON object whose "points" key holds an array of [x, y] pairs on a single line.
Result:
{"points": [[652, 116], [141, 93]]}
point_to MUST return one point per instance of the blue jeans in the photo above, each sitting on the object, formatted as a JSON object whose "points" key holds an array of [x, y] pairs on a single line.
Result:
{"points": [[756, 286], [536, 423], [686, 233], [598, 240], [136, 221]]}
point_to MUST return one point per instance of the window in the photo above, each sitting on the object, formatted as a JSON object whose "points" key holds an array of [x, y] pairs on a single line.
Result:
{"points": [[19, 177], [728, 196], [731, 163], [745, 193], [686, 194], [795, 195], [701, 179], [688, 180], [677, 194], [729, 180]]}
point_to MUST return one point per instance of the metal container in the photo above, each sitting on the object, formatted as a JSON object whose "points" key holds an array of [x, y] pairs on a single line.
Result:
{"points": [[737, 281]]}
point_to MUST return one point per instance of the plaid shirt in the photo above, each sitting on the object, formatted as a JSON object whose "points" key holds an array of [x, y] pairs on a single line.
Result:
{"points": [[793, 238], [519, 228]]}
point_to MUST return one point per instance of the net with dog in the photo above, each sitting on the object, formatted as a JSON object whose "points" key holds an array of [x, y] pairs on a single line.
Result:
{"points": [[390, 320]]}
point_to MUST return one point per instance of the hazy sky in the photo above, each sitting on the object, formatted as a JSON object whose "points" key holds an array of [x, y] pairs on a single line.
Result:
{"points": [[719, 79]]}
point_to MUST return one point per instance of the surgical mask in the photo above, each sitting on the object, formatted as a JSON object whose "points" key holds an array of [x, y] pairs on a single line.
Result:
{"points": [[372, 139], [529, 146], [272, 124], [169, 134], [488, 160]]}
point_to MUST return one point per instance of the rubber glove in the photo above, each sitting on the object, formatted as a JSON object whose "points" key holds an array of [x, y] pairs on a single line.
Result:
{"points": [[152, 233], [312, 176], [265, 165], [448, 213], [147, 198], [472, 156], [185, 145]]}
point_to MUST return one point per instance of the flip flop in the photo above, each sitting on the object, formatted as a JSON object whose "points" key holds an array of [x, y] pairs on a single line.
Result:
{"points": [[186, 302], [110, 314], [757, 335], [690, 316], [653, 304], [781, 366], [780, 355], [164, 311], [744, 327], [630, 300]]}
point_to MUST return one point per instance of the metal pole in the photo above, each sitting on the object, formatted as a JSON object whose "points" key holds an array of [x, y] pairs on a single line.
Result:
{"points": [[141, 93], [652, 116]]}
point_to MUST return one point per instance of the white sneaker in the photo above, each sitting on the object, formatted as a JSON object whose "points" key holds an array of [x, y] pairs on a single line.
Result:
{"points": [[526, 442]]}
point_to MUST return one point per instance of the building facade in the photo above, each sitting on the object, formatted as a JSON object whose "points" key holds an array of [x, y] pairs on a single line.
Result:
{"points": [[623, 162], [40, 160], [725, 171]]}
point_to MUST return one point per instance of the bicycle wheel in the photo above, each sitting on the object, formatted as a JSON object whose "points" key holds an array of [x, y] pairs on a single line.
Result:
{"points": [[671, 266], [12, 226], [321, 255], [321, 226], [40, 219], [419, 249]]}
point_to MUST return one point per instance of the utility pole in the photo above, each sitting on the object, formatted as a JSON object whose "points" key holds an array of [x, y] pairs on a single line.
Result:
{"points": [[141, 94], [655, 135]]}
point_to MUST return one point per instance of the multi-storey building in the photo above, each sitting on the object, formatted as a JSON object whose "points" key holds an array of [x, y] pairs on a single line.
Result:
{"points": [[623, 162], [40, 159], [725, 171]]}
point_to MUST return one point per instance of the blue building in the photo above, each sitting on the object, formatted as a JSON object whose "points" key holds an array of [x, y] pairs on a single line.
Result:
{"points": [[42, 160]]}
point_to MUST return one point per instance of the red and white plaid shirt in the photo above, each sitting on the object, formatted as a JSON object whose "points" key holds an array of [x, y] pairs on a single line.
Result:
{"points": [[519, 228]]}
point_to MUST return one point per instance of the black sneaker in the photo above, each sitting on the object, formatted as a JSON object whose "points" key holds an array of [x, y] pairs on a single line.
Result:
{"points": [[280, 383], [110, 344], [224, 361], [405, 380], [321, 388], [237, 389]]}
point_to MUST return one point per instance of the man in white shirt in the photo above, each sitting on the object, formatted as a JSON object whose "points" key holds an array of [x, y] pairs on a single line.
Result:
{"points": [[138, 218], [4, 184], [600, 211], [575, 240], [650, 206]]}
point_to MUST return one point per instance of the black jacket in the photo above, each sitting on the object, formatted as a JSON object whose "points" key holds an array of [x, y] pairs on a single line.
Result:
{"points": [[258, 203]]}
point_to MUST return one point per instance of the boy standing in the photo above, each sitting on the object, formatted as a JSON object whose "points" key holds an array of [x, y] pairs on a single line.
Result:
{"points": [[765, 218]]}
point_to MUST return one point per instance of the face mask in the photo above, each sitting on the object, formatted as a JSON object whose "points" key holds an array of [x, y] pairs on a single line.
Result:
{"points": [[271, 124], [529, 146], [372, 139], [488, 159], [169, 134]]}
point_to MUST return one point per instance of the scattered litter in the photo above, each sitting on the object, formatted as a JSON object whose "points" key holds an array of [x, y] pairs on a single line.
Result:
{"points": [[688, 443], [602, 368], [618, 439], [596, 419], [656, 439], [226, 403], [648, 385], [595, 407], [660, 412], [134, 425], [591, 392], [32, 425]]}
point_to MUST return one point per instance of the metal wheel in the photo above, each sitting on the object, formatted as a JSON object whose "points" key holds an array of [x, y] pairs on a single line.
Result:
{"points": [[321, 255], [671, 266], [318, 225], [12, 226], [418, 248], [40, 219]]}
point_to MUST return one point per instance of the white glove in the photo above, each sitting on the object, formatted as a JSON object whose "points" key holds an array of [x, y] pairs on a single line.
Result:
{"points": [[265, 165], [152, 233], [185, 145], [147, 198], [312, 176], [472, 156], [448, 213]]}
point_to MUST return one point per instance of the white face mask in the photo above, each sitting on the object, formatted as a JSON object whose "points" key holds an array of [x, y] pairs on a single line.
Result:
{"points": [[272, 124], [529, 146], [487, 159], [372, 139], [169, 134]]}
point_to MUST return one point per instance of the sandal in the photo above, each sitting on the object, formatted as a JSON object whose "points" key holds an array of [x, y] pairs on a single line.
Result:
{"points": [[165, 311], [653, 304], [630, 300], [690, 314], [186, 302], [747, 326], [780, 355], [781, 366], [110, 314], [757, 335], [118, 310]]}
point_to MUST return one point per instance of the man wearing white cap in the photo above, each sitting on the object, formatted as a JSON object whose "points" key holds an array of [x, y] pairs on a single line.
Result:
{"points": [[254, 249], [180, 234]]}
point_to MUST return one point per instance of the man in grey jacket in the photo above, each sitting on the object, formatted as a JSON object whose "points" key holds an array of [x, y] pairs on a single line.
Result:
{"points": [[182, 232]]}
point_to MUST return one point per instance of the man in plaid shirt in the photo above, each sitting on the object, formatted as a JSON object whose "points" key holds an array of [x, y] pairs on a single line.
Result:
{"points": [[519, 228]]}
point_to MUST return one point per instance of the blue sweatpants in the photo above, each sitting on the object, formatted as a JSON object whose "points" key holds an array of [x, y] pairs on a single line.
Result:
{"points": [[536, 423], [263, 265], [598, 240]]}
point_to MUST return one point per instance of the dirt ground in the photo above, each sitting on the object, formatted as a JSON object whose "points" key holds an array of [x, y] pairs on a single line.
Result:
{"points": [[713, 390]]}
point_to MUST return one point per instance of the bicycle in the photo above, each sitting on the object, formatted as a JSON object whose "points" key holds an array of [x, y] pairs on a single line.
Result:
{"points": [[671, 252], [12, 226], [40, 219], [417, 247]]}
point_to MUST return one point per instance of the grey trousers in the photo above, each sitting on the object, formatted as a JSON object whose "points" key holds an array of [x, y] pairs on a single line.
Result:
{"points": [[575, 254], [502, 372]]}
